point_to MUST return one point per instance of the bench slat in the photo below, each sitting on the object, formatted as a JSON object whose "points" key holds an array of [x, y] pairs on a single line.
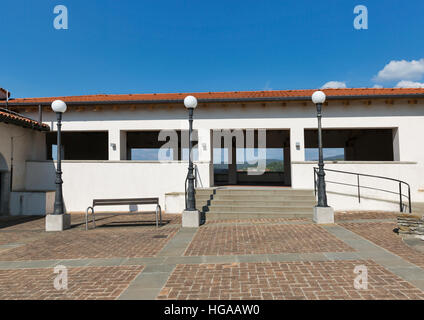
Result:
{"points": [[109, 202]]}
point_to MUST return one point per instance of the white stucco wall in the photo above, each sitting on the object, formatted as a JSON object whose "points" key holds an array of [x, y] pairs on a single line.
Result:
{"points": [[84, 181], [28, 144], [117, 178]]}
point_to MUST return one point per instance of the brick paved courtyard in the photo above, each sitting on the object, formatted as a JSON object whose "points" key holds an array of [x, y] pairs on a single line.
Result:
{"points": [[104, 283], [267, 258], [262, 239], [284, 280]]}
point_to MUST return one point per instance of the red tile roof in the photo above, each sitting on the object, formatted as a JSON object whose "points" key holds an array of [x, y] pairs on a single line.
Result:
{"points": [[225, 96], [8, 116]]}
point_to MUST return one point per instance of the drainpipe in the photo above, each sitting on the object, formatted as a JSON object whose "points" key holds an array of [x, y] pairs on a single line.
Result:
{"points": [[40, 113], [7, 99], [11, 165]]}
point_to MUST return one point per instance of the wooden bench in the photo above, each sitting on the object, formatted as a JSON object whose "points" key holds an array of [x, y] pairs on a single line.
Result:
{"points": [[120, 202]]}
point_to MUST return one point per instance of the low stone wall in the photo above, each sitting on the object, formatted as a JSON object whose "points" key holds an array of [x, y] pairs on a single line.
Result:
{"points": [[411, 224]]}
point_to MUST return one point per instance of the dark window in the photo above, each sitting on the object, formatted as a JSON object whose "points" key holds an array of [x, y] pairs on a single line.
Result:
{"points": [[351, 144], [156, 146], [79, 145]]}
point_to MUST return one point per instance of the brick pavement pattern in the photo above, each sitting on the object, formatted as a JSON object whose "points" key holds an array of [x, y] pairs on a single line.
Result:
{"points": [[359, 215], [311, 280], [31, 228], [145, 220], [263, 239], [92, 283], [98, 243], [382, 234]]}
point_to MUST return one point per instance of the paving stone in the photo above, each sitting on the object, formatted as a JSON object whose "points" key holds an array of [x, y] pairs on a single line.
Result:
{"points": [[158, 268], [177, 260], [139, 294], [382, 235], [107, 262], [144, 261], [43, 264], [151, 280], [285, 280], [246, 258], [285, 257], [342, 255], [408, 273], [83, 283], [220, 259], [99, 243], [263, 239], [253, 258]]}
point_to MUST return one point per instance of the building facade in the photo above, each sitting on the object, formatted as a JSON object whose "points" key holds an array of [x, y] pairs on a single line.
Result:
{"points": [[21, 140], [137, 145]]}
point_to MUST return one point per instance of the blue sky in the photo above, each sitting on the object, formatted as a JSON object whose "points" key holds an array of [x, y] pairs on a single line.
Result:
{"points": [[131, 46]]}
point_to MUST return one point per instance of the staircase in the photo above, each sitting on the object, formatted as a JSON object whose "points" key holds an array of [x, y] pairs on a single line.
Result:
{"points": [[255, 202]]}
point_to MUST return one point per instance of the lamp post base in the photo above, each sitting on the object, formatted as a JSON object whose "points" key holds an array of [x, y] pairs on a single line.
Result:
{"points": [[58, 222], [191, 219], [323, 215]]}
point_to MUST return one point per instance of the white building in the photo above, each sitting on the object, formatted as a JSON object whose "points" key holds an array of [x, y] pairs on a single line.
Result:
{"points": [[111, 145]]}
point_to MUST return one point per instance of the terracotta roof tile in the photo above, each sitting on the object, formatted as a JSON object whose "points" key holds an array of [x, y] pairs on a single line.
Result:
{"points": [[160, 97], [15, 118]]}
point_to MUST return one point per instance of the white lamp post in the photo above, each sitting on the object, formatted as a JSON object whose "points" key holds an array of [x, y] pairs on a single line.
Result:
{"points": [[323, 214], [59, 220], [191, 216]]}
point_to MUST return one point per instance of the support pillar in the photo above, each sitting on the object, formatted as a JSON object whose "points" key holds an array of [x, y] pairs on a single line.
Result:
{"points": [[232, 164], [117, 144]]}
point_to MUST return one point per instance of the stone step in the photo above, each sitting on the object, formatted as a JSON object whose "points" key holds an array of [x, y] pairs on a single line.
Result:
{"points": [[241, 216], [262, 192], [272, 191], [257, 203], [204, 191], [287, 209], [250, 201], [263, 197]]}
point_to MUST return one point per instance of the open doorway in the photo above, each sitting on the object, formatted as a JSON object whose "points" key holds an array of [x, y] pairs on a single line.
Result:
{"points": [[241, 157]]}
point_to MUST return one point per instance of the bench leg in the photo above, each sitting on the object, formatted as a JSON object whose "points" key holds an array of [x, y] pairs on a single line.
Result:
{"points": [[160, 214], [94, 219], [86, 217], [156, 215]]}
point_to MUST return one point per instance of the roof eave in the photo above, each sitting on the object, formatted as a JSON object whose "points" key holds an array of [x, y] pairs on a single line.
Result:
{"points": [[33, 126], [222, 100]]}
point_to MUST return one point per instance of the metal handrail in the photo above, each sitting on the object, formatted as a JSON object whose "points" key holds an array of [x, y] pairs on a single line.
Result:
{"points": [[196, 174], [401, 195]]}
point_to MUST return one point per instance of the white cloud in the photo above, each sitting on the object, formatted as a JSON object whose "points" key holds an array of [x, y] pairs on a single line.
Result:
{"points": [[401, 70], [377, 86], [409, 84], [334, 85]]}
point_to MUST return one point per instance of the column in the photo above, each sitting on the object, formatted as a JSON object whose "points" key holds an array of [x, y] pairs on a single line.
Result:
{"points": [[297, 153], [205, 145], [117, 144], [232, 163]]}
